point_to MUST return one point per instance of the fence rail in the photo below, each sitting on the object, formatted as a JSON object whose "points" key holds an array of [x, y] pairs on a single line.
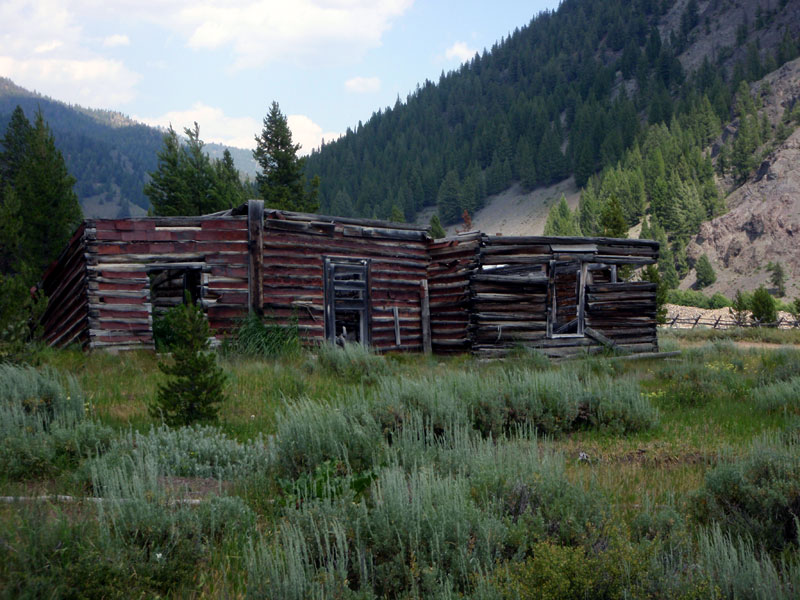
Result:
{"points": [[679, 322]]}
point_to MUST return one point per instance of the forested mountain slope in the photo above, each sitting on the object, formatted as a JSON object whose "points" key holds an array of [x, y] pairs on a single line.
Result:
{"points": [[567, 94], [108, 153]]}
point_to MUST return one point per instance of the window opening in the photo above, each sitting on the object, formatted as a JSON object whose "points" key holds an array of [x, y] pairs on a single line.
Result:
{"points": [[347, 300]]}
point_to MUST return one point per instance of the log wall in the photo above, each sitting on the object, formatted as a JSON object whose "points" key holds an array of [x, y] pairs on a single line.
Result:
{"points": [[294, 250], [116, 257], [452, 262], [65, 283], [511, 295], [485, 294]]}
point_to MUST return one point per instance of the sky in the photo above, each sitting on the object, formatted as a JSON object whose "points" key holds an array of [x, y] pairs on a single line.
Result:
{"points": [[328, 63]]}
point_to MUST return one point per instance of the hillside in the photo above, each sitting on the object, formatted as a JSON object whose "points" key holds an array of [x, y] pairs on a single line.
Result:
{"points": [[763, 221], [107, 152], [567, 94]]}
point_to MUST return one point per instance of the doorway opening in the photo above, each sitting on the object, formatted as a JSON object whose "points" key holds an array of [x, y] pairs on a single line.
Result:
{"points": [[347, 300]]}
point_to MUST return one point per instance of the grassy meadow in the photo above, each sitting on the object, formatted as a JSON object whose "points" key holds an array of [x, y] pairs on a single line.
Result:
{"points": [[340, 474]]}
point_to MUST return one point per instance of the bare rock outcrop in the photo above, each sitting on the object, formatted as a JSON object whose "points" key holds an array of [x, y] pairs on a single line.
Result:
{"points": [[762, 225]]}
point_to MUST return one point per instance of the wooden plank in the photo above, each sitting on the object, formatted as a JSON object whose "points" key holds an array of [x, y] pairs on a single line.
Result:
{"points": [[426, 317]]}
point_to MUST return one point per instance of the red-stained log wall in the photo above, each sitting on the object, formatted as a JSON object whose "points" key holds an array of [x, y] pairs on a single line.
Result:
{"points": [[295, 247], [116, 258]]}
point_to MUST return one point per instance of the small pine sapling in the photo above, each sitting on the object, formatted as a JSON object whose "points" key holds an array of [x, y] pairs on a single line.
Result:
{"points": [[195, 386]]}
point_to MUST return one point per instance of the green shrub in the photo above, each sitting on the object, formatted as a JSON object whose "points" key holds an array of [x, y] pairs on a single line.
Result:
{"points": [[196, 386], [257, 337], [763, 307], [553, 572], [43, 426], [310, 433], [780, 396], [352, 363], [737, 569], [704, 377], [195, 451], [756, 497], [719, 301], [688, 298]]}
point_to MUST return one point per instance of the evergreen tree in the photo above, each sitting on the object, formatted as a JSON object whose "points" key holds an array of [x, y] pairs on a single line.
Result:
{"points": [[437, 231], [589, 212], [448, 202], [228, 189], [187, 182], [49, 208], [612, 219], [778, 278], [763, 307], [342, 205], [281, 181], [15, 144], [705, 272], [196, 384], [561, 221], [167, 189]]}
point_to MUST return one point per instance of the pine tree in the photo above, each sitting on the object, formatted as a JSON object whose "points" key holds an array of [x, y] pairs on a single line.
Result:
{"points": [[436, 229], [196, 386], [49, 208], [763, 307], [448, 202], [227, 190], [612, 219], [16, 145], [281, 181], [589, 209], [778, 278], [561, 221], [167, 189], [705, 272]]}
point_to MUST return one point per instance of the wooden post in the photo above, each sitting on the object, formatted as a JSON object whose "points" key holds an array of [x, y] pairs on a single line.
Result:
{"points": [[255, 254], [396, 312], [718, 320], [427, 346], [696, 321]]}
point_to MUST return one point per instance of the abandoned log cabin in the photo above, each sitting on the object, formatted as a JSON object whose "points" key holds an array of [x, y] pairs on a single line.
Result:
{"points": [[387, 285]]}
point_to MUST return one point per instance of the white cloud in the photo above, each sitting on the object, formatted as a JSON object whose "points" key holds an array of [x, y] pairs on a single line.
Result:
{"points": [[30, 32], [263, 31], [47, 47], [115, 40], [308, 134], [215, 125], [363, 85], [95, 82], [459, 51]]}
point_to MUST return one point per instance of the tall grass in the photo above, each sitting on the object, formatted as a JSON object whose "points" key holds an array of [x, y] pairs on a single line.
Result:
{"points": [[263, 338]]}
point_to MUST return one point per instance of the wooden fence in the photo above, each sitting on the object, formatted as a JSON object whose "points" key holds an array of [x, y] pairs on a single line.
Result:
{"points": [[726, 322]]}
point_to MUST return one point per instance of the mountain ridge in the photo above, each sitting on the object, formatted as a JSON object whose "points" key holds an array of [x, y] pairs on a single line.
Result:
{"points": [[108, 152]]}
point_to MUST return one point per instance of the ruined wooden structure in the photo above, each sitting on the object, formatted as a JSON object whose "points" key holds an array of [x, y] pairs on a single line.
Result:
{"points": [[490, 294], [384, 284]]}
